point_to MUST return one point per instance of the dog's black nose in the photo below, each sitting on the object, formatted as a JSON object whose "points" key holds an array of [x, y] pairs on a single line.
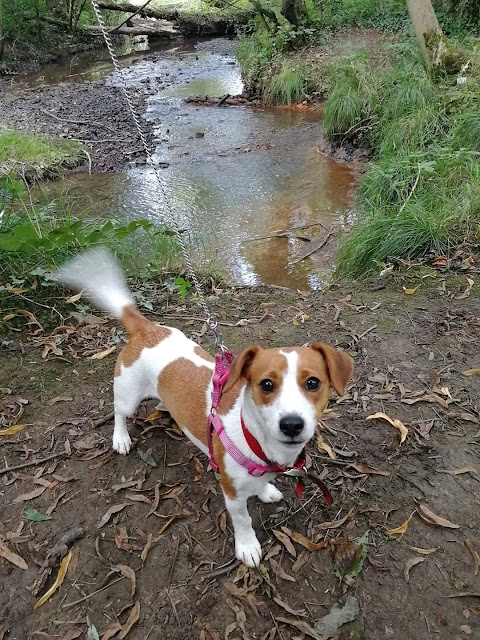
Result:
{"points": [[292, 425]]}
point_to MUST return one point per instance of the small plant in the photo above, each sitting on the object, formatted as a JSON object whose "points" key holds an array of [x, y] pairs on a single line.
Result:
{"points": [[285, 87], [182, 286]]}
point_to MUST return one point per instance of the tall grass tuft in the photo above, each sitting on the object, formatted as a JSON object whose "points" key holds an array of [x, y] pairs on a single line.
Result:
{"points": [[467, 131], [286, 86]]}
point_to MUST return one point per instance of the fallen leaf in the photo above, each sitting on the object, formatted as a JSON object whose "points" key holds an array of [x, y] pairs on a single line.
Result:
{"points": [[472, 372], [58, 581], [92, 633], [431, 397], [308, 544], [146, 457], [30, 495], [411, 291], [128, 573], [102, 354], [334, 524], [12, 557], [401, 529], [111, 630], [15, 428], [466, 293], [74, 298], [457, 472], [432, 518], [425, 552], [394, 422], [35, 516], [476, 558], [408, 566], [289, 609], [132, 619], [114, 509], [347, 553], [337, 617], [365, 468], [147, 547], [285, 540], [74, 632], [323, 446], [279, 571], [302, 626]]}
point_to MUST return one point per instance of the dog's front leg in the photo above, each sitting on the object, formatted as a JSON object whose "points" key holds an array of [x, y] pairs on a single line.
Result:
{"points": [[247, 546]]}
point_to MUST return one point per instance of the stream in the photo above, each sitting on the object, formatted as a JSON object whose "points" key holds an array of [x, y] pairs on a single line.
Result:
{"points": [[233, 176]]}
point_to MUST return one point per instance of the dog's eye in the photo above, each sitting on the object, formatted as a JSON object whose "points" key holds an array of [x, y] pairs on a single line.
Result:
{"points": [[267, 385], [313, 384]]}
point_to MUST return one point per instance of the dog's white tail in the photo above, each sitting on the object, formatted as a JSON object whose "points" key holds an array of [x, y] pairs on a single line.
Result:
{"points": [[99, 276]]}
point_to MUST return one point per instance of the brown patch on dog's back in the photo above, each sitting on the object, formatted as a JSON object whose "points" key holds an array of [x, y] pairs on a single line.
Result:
{"points": [[182, 386], [147, 335]]}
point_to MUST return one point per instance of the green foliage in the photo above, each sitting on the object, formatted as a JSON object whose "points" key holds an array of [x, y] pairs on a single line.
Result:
{"points": [[34, 156], [183, 286], [32, 238], [286, 86], [467, 131]]}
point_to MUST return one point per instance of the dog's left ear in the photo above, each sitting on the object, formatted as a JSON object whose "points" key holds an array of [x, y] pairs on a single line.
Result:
{"points": [[339, 365], [240, 366]]}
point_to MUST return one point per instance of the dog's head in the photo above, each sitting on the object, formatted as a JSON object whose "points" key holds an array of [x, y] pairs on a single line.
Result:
{"points": [[288, 389]]}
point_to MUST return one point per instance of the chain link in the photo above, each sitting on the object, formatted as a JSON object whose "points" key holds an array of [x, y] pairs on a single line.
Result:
{"points": [[211, 321]]}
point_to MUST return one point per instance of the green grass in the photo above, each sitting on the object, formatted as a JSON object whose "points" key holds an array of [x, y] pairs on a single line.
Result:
{"points": [[286, 86], [467, 131], [35, 156]]}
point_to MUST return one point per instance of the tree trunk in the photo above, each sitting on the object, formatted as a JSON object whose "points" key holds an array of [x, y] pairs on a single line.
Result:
{"points": [[292, 10], [429, 35]]}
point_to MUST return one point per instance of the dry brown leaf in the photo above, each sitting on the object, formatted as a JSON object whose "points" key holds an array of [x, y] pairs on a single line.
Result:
{"points": [[408, 566], [457, 472], [305, 542], [111, 630], [156, 501], [114, 509], [74, 632], [74, 298], [147, 547], [132, 619], [138, 497], [476, 558], [285, 540], [401, 529], [411, 291], [424, 552], [431, 397], [128, 573], [58, 581], [365, 468], [432, 518], [466, 293], [30, 495], [103, 354], [289, 609], [302, 626], [394, 422], [14, 428], [347, 553], [334, 524], [279, 571], [472, 372], [323, 446], [12, 557]]}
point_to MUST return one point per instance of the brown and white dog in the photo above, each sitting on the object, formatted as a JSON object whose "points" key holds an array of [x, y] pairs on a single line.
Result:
{"points": [[279, 392]]}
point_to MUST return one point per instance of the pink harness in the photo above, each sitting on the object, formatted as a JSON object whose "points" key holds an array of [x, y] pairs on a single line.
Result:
{"points": [[223, 361]]}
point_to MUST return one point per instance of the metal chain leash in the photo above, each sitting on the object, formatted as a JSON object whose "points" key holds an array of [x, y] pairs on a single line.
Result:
{"points": [[211, 321]]}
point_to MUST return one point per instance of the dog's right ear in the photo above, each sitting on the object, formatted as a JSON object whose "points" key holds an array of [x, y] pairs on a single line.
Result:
{"points": [[240, 366]]}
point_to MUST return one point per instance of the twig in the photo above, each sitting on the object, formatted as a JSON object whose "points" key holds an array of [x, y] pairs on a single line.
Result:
{"points": [[223, 100], [362, 335], [317, 248], [139, 10], [89, 161], [89, 595], [411, 191], [284, 232], [32, 463], [221, 571], [104, 420]]}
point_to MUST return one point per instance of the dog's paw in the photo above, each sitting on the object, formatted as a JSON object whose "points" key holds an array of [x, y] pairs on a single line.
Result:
{"points": [[122, 444], [250, 553], [270, 493]]}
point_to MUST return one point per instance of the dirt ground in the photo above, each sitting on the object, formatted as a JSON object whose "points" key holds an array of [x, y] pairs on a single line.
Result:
{"points": [[155, 540]]}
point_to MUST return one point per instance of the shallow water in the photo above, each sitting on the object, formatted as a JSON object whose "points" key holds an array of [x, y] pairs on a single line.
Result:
{"points": [[234, 175]]}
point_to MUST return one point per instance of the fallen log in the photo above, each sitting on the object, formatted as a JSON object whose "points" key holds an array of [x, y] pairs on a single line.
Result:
{"points": [[152, 28], [128, 7]]}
